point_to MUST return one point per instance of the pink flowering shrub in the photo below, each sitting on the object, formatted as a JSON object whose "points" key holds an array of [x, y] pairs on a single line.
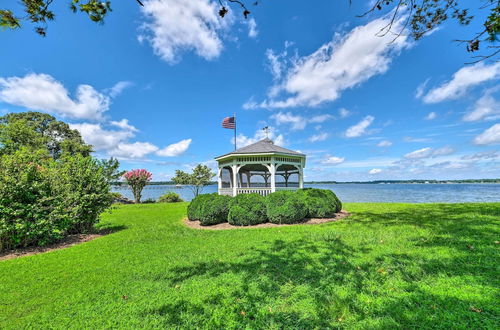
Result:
{"points": [[137, 180]]}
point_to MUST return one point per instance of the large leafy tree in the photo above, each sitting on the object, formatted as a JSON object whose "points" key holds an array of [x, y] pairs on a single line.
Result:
{"points": [[199, 178], [35, 130], [421, 16]]}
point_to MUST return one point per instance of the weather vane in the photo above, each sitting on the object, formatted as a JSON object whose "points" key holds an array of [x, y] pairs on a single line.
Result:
{"points": [[266, 129]]}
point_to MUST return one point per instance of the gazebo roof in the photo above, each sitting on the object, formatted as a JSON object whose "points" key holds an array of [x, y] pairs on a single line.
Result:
{"points": [[265, 146]]}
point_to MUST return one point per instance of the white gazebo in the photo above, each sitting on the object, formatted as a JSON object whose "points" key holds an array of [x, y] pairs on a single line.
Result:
{"points": [[261, 168]]}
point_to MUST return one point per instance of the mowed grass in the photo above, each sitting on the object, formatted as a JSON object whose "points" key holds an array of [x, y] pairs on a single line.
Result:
{"points": [[387, 266]]}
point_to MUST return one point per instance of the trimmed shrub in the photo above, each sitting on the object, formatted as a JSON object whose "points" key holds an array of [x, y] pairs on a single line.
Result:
{"points": [[247, 210], [214, 209], [320, 203], [194, 207], [170, 197], [285, 207], [149, 201]]}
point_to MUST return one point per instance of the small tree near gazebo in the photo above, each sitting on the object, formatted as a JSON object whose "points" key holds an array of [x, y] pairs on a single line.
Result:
{"points": [[199, 178]]}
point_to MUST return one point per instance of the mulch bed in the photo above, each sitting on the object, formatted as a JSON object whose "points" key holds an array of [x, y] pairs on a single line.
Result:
{"points": [[308, 221], [64, 243]]}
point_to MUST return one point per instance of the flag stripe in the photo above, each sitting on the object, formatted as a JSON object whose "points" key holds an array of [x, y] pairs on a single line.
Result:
{"points": [[229, 122]]}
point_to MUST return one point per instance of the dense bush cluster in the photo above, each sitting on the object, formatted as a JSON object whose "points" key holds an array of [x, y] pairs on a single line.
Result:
{"points": [[285, 207], [320, 203], [170, 197], [281, 207], [42, 199], [247, 210]]}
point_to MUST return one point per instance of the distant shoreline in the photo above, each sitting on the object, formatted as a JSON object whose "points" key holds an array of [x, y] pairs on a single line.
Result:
{"points": [[467, 181]]}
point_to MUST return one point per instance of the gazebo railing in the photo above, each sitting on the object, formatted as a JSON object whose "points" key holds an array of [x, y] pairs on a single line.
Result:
{"points": [[259, 190], [287, 188], [226, 191], [263, 191]]}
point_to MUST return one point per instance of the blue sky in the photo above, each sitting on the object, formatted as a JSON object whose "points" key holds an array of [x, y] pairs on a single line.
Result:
{"points": [[152, 85]]}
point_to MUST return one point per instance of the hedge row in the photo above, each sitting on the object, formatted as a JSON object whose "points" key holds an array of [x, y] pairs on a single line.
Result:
{"points": [[281, 207]]}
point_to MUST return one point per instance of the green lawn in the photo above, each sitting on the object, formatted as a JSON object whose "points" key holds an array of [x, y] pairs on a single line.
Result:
{"points": [[387, 266]]}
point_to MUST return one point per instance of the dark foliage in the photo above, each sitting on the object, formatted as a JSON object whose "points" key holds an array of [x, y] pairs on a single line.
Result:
{"points": [[40, 131], [320, 203], [285, 207], [194, 208], [247, 210], [214, 209]]}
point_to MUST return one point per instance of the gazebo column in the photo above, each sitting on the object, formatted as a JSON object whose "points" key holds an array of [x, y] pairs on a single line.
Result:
{"points": [[235, 179], [301, 177], [219, 180], [249, 176], [273, 177]]}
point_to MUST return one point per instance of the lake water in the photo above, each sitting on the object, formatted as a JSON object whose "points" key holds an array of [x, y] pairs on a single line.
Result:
{"points": [[388, 193]]}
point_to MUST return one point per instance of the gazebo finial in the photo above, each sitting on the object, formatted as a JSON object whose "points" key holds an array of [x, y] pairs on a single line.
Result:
{"points": [[266, 129]]}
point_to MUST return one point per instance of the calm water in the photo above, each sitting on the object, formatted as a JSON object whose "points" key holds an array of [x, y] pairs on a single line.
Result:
{"points": [[402, 193]]}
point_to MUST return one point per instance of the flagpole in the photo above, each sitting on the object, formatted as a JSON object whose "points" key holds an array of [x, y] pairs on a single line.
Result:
{"points": [[234, 131]]}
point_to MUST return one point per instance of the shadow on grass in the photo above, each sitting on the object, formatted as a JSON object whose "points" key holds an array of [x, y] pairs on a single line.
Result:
{"points": [[107, 229], [320, 281]]}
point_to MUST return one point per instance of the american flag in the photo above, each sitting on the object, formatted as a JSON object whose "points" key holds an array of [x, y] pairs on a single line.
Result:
{"points": [[229, 122]]}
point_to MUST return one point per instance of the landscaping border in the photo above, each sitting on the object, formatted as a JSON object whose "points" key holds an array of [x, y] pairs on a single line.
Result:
{"points": [[226, 226]]}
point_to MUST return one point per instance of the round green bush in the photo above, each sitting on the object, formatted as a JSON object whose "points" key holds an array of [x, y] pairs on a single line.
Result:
{"points": [[285, 207], [320, 203], [247, 210], [214, 209], [170, 197], [194, 208]]}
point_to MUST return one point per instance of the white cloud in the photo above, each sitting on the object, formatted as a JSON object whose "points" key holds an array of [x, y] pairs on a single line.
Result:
{"points": [[43, 93], [420, 91], [486, 107], [485, 155], [132, 150], [420, 153], [333, 160], [319, 137], [343, 63], [101, 138], [431, 116], [176, 26], [175, 149], [123, 124], [374, 171], [343, 113], [360, 128], [296, 122], [428, 153], [243, 140], [119, 87], [462, 80], [320, 118], [489, 136], [446, 150], [384, 143], [252, 28]]}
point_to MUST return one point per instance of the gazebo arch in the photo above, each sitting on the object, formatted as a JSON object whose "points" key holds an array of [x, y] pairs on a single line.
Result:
{"points": [[256, 167]]}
